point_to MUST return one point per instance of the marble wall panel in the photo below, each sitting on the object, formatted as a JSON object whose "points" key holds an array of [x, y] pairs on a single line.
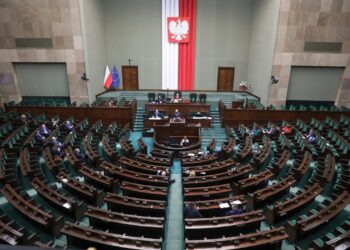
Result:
{"points": [[55, 19], [303, 21]]}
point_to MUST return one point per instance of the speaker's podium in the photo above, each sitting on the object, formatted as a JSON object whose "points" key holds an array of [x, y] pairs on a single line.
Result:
{"points": [[177, 120], [169, 136]]}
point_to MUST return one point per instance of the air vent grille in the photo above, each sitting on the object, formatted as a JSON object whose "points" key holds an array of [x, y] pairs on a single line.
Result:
{"points": [[323, 47], [34, 43]]}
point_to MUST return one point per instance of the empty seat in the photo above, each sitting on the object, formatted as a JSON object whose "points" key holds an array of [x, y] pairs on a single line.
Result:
{"points": [[151, 97], [202, 98], [193, 97]]}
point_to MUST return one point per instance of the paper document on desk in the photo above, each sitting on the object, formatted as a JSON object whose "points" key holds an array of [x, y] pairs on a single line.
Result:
{"points": [[67, 205], [236, 202], [224, 205], [199, 117]]}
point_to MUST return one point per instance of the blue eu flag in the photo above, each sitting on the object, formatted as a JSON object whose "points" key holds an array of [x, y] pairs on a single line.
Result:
{"points": [[115, 78]]}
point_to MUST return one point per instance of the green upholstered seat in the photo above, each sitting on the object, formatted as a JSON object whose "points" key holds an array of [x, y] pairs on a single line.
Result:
{"points": [[151, 96], [202, 98], [193, 97]]}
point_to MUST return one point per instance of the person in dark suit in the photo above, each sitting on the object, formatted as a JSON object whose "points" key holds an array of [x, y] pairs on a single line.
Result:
{"points": [[271, 131], [311, 137], [69, 126], [56, 143], [160, 99], [57, 153], [192, 211], [39, 138], [177, 114], [234, 210], [77, 154], [57, 149], [44, 130], [157, 114]]}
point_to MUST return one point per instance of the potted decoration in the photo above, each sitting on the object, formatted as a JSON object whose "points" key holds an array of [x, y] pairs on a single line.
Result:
{"points": [[244, 86]]}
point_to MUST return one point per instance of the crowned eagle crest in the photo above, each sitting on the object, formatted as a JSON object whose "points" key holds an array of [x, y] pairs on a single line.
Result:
{"points": [[179, 29]]}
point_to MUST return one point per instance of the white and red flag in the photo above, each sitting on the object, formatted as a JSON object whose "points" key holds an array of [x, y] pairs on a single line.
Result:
{"points": [[108, 78], [178, 44]]}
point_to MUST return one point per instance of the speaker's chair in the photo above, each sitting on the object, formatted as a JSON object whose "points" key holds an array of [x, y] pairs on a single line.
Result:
{"points": [[161, 97], [202, 98], [177, 92], [151, 97], [193, 97]]}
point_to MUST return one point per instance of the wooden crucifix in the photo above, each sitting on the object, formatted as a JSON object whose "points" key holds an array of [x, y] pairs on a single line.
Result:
{"points": [[129, 60]]}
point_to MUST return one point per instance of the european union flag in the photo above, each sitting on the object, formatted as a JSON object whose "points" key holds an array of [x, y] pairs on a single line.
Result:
{"points": [[115, 78]]}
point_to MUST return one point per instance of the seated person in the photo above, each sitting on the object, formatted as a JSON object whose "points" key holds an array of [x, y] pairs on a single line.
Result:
{"points": [[185, 141], [257, 149], [57, 153], [54, 122], [192, 173], [163, 172], [287, 129], [271, 130], [177, 114], [157, 114], [44, 130], [77, 154], [24, 119], [234, 210], [192, 211], [254, 132], [160, 99], [69, 126], [57, 148], [112, 103], [246, 129], [56, 143], [221, 152], [39, 138], [311, 137], [177, 98]]}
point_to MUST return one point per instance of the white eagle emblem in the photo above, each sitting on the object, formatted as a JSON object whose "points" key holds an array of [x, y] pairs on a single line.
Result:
{"points": [[178, 29]]}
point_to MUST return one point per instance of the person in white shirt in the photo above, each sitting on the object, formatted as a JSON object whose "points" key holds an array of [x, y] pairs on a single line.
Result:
{"points": [[177, 98], [185, 141]]}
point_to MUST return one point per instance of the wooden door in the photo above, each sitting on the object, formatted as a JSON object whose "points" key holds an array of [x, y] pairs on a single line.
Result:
{"points": [[226, 75], [130, 77]]}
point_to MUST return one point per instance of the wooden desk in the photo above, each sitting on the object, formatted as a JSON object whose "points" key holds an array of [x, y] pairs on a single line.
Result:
{"points": [[205, 122], [86, 236], [122, 115], [227, 226], [176, 129], [132, 205], [151, 122], [133, 225], [266, 239], [184, 108]]}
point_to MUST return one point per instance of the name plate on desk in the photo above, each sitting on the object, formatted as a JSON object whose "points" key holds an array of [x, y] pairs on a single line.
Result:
{"points": [[201, 117], [177, 120], [155, 118]]}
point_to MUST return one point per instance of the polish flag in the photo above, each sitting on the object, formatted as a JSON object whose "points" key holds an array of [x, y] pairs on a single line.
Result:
{"points": [[178, 44], [108, 78]]}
